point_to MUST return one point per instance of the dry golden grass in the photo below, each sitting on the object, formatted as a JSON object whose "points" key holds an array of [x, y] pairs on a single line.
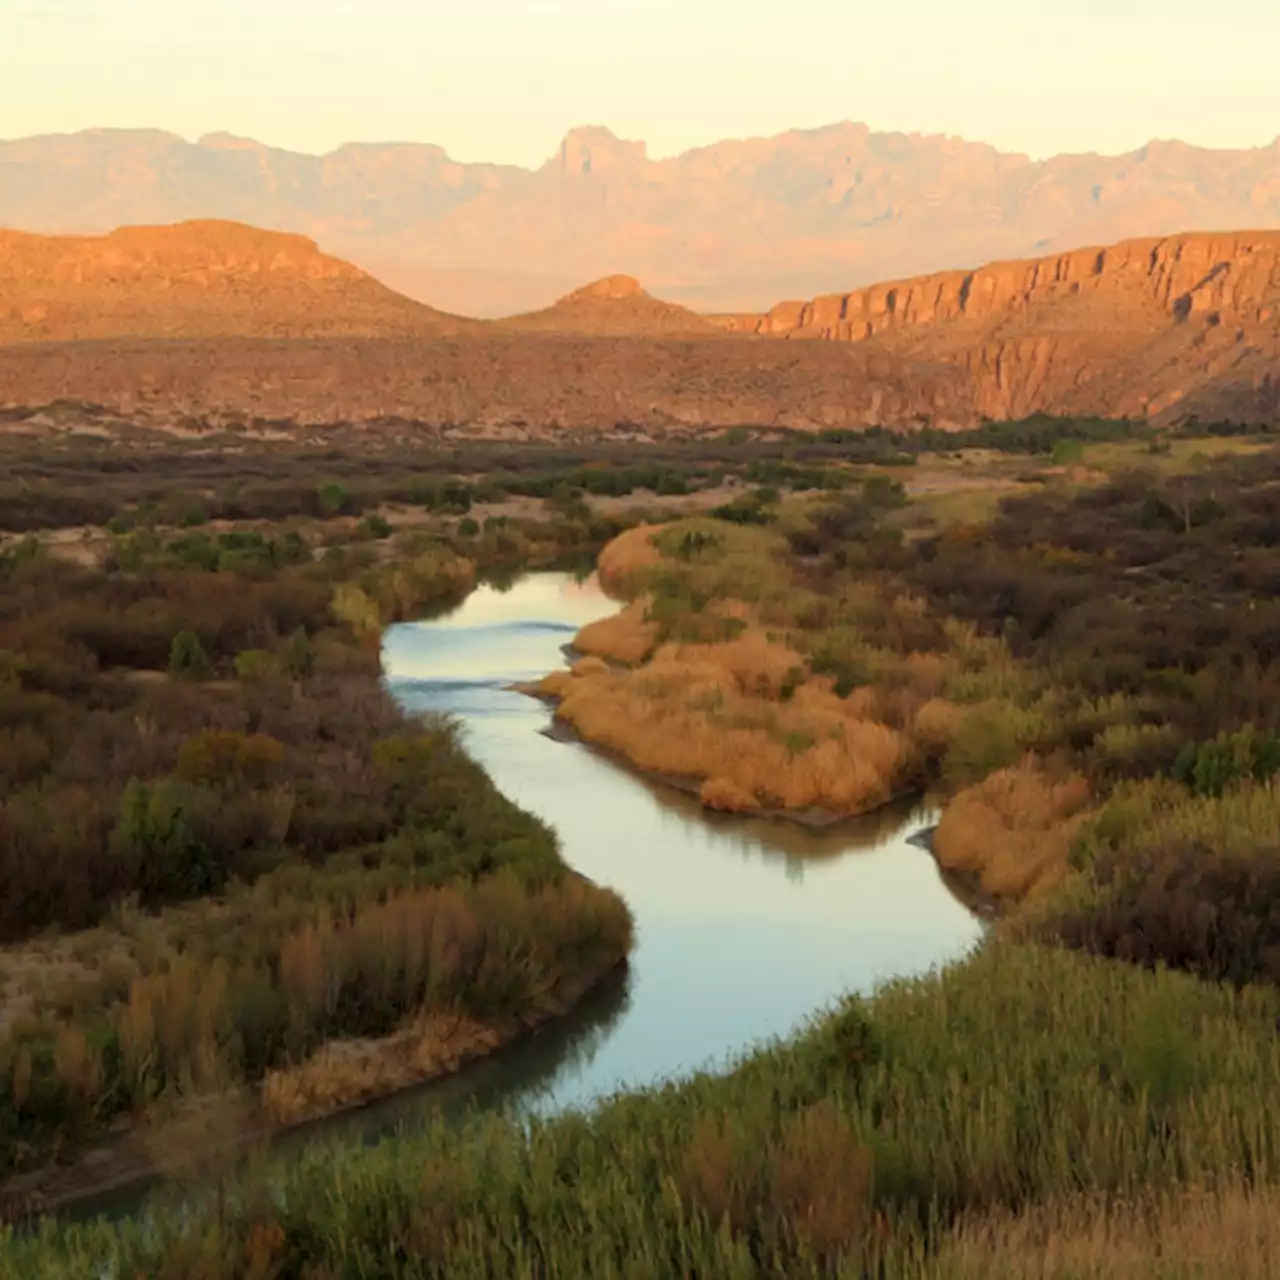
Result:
{"points": [[626, 557], [1013, 830], [1228, 1235], [758, 663], [726, 795], [346, 1072], [936, 722], [169, 1027], [689, 716], [625, 636]]}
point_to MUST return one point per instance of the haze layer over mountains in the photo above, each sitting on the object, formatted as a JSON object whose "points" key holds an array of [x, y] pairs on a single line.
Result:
{"points": [[736, 226]]}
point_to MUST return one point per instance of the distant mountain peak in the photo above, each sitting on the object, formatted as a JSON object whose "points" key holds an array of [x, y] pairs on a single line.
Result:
{"points": [[593, 149], [611, 288], [224, 141]]}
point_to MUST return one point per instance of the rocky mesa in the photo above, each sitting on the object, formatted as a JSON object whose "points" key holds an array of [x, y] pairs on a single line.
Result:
{"points": [[1157, 327], [195, 279], [222, 319], [616, 306]]}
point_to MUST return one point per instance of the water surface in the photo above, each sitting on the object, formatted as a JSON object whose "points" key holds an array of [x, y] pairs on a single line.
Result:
{"points": [[744, 926]]}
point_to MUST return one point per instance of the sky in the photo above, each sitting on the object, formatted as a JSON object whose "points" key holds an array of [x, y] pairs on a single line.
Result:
{"points": [[504, 80]]}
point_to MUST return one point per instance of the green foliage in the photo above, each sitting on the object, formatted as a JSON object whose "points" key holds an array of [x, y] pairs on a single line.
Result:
{"points": [[153, 838], [333, 498], [23, 552], [883, 491], [256, 665], [693, 543], [297, 654], [187, 657], [1210, 768], [375, 526], [745, 509], [447, 496], [1067, 452]]}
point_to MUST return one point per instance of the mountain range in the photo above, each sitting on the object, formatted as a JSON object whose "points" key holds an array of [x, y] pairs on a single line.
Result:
{"points": [[735, 226]]}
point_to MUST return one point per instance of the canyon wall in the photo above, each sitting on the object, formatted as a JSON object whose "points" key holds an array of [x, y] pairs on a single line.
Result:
{"points": [[1161, 326]]}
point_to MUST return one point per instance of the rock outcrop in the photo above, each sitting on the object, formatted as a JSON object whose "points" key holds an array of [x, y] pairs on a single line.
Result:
{"points": [[616, 306], [195, 280], [1158, 327]]}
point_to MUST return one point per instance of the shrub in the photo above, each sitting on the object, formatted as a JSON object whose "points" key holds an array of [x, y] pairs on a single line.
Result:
{"points": [[333, 498], [152, 838], [187, 657], [1210, 768]]}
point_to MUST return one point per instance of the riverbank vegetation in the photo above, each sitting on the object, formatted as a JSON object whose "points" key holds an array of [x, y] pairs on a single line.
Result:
{"points": [[228, 864], [1014, 1115], [1083, 672]]}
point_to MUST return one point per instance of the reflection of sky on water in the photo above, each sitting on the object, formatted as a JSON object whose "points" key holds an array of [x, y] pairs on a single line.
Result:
{"points": [[744, 927]]}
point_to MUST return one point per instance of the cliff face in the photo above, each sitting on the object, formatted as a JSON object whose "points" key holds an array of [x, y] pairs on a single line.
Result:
{"points": [[1153, 327], [196, 279]]}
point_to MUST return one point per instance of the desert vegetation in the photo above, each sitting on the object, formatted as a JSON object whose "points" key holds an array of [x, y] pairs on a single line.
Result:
{"points": [[228, 865], [1029, 1110], [1083, 674]]}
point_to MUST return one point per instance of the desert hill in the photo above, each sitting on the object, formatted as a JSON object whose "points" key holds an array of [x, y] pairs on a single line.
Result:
{"points": [[731, 226], [614, 307], [1162, 328], [1144, 328], [194, 279]]}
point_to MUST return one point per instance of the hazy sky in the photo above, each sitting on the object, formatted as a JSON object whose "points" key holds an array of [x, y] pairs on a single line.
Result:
{"points": [[504, 79]]}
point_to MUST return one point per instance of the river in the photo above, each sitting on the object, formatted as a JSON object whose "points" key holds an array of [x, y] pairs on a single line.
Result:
{"points": [[745, 927]]}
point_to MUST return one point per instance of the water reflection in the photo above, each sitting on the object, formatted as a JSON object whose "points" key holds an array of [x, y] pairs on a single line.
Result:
{"points": [[745, 925]]}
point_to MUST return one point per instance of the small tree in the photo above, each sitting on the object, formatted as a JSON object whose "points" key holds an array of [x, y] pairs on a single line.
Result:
{"points": [[187, 658], [332, 497], [1068, 452], [299, 659]]}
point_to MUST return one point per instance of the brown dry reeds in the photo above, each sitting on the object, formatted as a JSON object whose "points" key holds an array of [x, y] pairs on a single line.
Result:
{"points": [[1013, 830], [169, 1028], [343, 1073], [690, 719], [758, 663], [807, 1190], [1232, 1234], [628, 556], [626, 636], [726, 795]]}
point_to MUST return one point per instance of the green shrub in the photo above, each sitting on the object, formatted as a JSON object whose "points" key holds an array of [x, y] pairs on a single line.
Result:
{"points": [[1210, 768], [187, 657]]}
